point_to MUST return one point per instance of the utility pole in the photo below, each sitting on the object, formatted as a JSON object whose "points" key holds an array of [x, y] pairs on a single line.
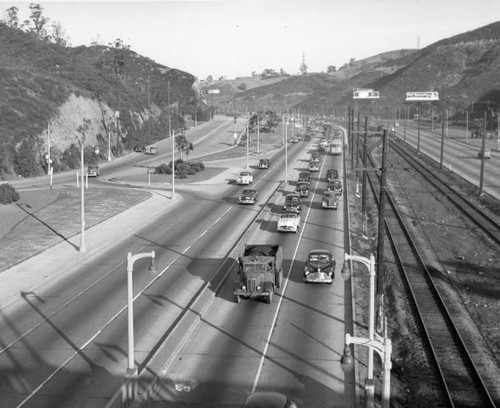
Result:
{"points": [[442, 145], [481, 178], [381, 233]]}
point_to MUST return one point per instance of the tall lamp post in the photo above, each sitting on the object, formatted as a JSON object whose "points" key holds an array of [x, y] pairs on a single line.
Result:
{"points": [[383, 346], [346, 274], [131, 367], [82, 130]]}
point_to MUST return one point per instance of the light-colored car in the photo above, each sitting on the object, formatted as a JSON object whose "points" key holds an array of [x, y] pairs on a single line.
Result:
{"points": [[313, 166], [320, 267], [288, 222], [245, 177], [248, 196], [487, 154]]}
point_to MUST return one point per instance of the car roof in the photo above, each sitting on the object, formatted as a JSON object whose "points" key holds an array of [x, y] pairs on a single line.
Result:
{"points": [[320, 251]]}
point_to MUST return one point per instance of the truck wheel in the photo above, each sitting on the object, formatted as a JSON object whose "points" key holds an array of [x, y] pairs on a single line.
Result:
{"points": [[237, 298], [269, 298]]}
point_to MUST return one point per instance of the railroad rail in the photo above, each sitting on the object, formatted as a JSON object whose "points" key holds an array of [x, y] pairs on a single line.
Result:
{"points": [[454, 365], [488, 223]]}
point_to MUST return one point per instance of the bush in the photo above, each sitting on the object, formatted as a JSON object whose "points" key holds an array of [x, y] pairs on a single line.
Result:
{"points": [[8, 194], [197, 166], [164, 169]]}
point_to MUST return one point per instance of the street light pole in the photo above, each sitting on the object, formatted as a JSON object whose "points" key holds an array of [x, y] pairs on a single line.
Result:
{"points": [[247, 145], [131, 368], [286, 152], [82, 204], [383, 346], [346, 274]]}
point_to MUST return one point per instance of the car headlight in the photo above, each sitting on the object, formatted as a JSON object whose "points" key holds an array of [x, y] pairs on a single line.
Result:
{"points": [[243, 287], [306, 272], [259, 287]]}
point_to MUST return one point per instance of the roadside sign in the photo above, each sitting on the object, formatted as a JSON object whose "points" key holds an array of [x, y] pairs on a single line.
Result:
{"points": [[422, 96], [360, 93], [214, 91]]}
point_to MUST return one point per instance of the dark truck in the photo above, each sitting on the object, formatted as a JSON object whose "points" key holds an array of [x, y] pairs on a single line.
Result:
{"points": [[260, 271]]}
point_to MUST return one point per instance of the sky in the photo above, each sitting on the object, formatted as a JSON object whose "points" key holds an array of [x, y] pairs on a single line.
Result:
{"points": [[234, 38]]}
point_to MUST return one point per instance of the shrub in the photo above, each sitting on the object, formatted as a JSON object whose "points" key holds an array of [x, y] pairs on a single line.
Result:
{"points": [[197, 166], [8, 194], [164, 169]]}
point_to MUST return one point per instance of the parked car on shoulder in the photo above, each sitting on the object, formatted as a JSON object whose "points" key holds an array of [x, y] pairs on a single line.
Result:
{"points": [[140, 149], [93, 171], [330, 200], [264, 163], [245, 177], [292, 203], [302, 188], [248, 196], [332, 174], [288, 222], [320, 267]]}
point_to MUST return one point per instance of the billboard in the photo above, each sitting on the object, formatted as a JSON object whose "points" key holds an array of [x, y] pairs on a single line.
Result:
{"points": [[422, 96], [359, 93], [213, 91]]}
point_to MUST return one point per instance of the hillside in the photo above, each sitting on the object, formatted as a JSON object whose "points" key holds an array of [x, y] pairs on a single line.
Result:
{"points": [[463, 69], [43, 84]]}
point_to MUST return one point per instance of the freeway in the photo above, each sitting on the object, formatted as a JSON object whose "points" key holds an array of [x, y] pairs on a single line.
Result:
{"points": [[292, 346], [65, 344], [460, 154]]}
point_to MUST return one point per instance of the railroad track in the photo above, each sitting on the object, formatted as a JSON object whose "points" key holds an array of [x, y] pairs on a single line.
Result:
{"points": [[453, 364], [488, 223]]}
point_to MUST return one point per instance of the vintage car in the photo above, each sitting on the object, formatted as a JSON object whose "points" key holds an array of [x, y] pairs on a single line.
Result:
{"points": [[330, 200], [332, 174], [337, 187], [320, 267], [313, 166], [245, 177], [248, 196], [264, 163], [302, 188], [295, 139], [292, 203], [307, 137], [315, 157], [288, 222], [93, 171], [140, 149], [268, 399], [323, 142], [305, 176]]}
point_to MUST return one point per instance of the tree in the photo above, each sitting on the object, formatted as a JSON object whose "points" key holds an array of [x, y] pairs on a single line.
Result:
{"points": [[13, 17], [183, 145], [37, 22], [59, 35], [242, 86], [331, 68]]}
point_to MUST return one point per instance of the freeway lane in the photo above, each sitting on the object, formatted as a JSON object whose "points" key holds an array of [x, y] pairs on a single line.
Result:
{"points": [[460, 155], [292, 346], [65, 345]]}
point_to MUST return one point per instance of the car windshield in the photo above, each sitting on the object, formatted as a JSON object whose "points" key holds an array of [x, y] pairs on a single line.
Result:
{"points": [[323, 258], [292, 200], [248, 192], [287, 216], [337, 184]]}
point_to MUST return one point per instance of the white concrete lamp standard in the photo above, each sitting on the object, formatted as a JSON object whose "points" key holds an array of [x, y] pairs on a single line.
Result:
{"points": [[383, 346], [83, 248], [346, 274], [132, 372]]}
